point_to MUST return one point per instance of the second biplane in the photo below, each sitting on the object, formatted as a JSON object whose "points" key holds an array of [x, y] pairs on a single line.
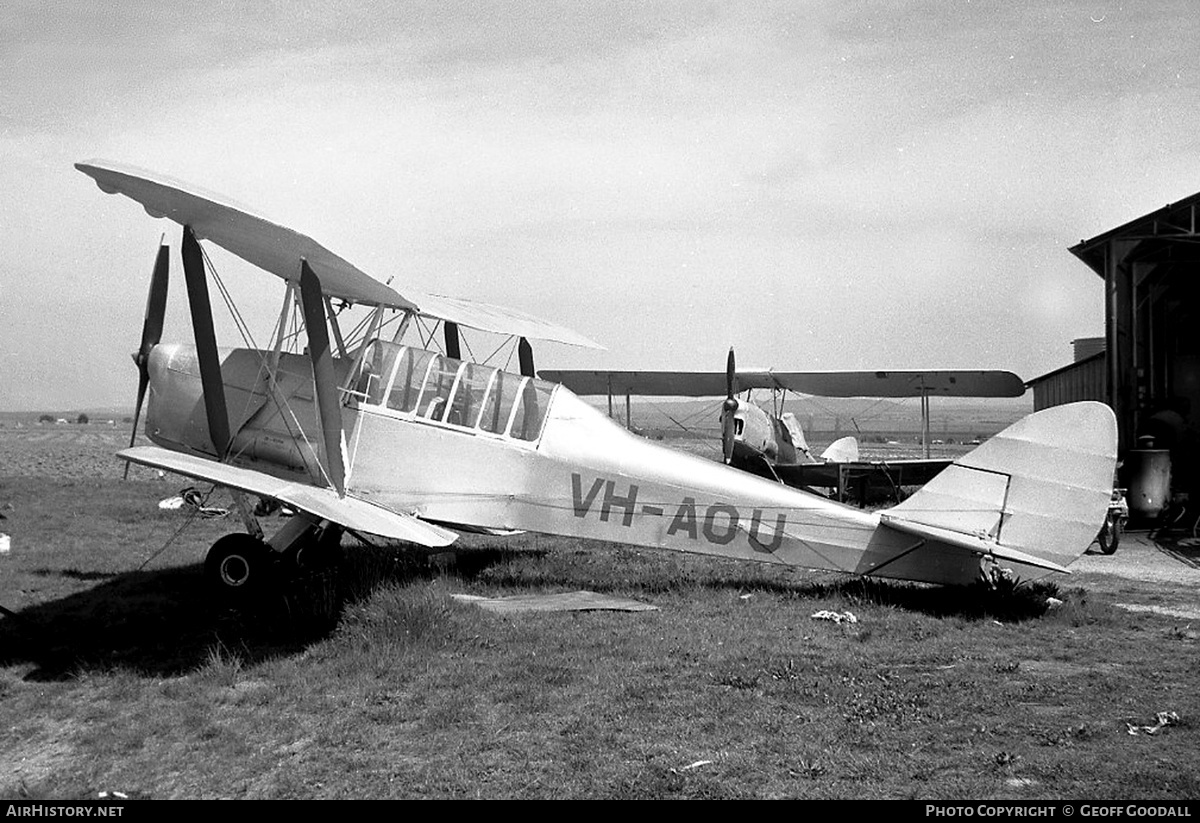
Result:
{"points": [[770, 442], [384, 438]]}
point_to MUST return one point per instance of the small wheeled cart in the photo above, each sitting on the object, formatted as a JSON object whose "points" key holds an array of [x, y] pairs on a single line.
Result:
{"points": [[1114, 522]]}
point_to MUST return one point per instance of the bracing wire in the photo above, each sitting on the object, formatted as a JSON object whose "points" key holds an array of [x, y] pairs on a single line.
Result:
{"points": [[286, 414]]}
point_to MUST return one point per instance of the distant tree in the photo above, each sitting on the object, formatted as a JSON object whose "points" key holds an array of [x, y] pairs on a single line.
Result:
{"points": [[83, 418], [46, 418]]}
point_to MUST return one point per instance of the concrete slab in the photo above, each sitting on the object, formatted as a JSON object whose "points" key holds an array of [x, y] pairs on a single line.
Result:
{"points": [[1140, 558], [1174, 582], [580, 601]]}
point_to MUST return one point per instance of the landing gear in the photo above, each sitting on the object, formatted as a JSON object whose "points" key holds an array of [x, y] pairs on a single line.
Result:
{"points": [[239, 565], [316, 549], [243, 567]]}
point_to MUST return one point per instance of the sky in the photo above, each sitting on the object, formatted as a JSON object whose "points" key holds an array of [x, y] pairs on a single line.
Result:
{"points": [[820, 184]]}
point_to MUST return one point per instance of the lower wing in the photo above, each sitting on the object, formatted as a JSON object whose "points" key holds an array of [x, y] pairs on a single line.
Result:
{"points": [[349, 512]]}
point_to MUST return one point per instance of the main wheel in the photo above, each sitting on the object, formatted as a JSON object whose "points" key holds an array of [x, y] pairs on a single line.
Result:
{"points": [[238, 565]]}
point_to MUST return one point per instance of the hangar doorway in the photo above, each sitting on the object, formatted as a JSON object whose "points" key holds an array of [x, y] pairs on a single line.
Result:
{"points": [[1151, 272]]}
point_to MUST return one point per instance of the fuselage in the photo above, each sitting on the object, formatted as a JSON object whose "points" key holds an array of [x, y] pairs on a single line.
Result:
{"points": [[759, 436], [467, 444]]}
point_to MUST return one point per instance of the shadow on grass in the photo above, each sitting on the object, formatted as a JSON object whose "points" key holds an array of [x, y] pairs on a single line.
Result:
{"points": [[642, 575], [980, 601], [166, 623]]}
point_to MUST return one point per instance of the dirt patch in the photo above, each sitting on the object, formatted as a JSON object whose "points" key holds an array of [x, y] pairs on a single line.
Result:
{"points": [[33, 759], [75, 451], [1062, 668]]}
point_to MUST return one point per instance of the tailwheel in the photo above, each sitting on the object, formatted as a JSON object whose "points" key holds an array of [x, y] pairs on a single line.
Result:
{"points": [[239, 565]]}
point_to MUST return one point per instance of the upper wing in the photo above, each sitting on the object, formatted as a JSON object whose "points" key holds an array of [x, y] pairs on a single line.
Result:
{"points": [[902, 383], [270, 246], [821, 383], [486, 317], [278, 250], [348, 512], [649, 383]]}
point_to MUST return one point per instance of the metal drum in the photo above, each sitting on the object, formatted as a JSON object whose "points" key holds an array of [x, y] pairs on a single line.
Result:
{"points": [[1149, 473]]}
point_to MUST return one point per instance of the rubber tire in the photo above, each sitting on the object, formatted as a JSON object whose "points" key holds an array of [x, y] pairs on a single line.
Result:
{"points": [[1110, 535], [239, 566]]}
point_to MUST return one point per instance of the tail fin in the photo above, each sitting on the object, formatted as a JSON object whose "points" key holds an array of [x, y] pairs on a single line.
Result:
{"points": [[1035, 494], [844, 450]]}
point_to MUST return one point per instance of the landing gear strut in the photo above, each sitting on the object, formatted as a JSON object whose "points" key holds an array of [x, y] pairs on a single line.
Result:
{"points": [[243, 566]]}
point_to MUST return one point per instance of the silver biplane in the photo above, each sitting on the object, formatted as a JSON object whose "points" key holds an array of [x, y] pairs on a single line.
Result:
{"points": [[384, 438]]}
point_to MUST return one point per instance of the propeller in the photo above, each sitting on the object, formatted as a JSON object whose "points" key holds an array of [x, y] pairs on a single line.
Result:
{"points": [[152, 326], [728, 408]]}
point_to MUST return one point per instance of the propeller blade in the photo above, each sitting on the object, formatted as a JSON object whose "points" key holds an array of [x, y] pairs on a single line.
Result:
{"points": [[730, 375], [156, 306], [206, 343], [727, 433], [152, 326], [728, 408], [143, 381], [329, 409]]}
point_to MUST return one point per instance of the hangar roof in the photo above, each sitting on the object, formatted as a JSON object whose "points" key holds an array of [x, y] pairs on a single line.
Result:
{"points": [[1091, 358], [1170, 234]]}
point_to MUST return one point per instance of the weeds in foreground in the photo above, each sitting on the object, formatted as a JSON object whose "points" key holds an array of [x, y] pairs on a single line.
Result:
{"points": [[222, 667]]}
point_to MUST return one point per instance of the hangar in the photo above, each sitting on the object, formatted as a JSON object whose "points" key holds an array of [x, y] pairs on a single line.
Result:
{"points": [[1149, 371]]}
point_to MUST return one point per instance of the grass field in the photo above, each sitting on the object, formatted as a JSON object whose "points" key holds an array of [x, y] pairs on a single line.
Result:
{"points": [[119, 672]]}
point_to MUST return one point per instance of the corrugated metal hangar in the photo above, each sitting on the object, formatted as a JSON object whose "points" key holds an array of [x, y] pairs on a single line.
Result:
{"points": [[1149, 369]]}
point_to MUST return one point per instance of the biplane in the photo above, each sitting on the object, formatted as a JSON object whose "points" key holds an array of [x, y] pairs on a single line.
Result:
{"points": [[770, 442], [367, 433]]}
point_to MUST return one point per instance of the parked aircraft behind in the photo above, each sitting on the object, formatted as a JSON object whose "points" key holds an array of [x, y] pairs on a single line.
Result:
{"points": [[771, 443]]}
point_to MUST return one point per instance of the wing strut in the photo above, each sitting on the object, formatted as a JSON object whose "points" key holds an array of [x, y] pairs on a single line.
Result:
{"points": [[525, 358], [453, 346], [206, 343], [324, 380]]}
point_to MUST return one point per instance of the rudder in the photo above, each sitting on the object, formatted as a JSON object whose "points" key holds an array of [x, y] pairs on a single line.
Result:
{"points": [[1041, 486]]}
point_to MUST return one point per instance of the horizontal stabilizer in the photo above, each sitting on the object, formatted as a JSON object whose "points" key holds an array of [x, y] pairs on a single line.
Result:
{"points": [[349, 512], [977, 544], [1035, 494]]}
